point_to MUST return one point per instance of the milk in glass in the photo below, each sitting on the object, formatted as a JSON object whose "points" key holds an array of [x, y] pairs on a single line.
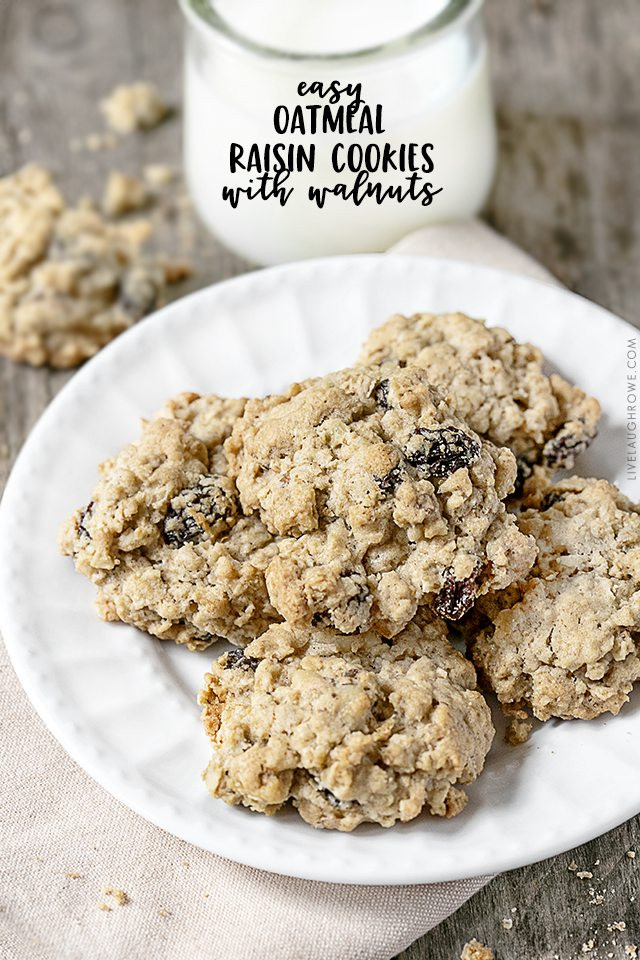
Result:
{"points": [[422, 62]]}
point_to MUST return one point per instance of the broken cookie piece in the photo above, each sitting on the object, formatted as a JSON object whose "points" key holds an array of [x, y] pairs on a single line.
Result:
{"points": [[124, 194], [474, 950], [134, 106], [347, 728], [69, 281]]}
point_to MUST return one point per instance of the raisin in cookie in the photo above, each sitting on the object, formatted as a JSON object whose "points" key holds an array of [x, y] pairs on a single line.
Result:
{"points": [[497, 385], [384, 498], [566, 641], [163, 537], [349, 729], [69, 280]]}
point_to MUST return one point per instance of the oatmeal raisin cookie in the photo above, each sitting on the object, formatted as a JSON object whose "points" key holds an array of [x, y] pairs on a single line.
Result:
{"points": [[163, 537], [385, 500], [565, 641], [496, 384], [349, 729]]}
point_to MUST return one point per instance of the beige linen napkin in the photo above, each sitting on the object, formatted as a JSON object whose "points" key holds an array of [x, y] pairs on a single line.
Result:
{"points": [[64, 840]]}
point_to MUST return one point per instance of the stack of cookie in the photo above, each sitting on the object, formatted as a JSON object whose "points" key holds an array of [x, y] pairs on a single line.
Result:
{"points": [[341, 534]]}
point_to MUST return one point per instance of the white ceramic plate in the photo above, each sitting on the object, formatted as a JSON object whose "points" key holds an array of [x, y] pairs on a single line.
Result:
{"points": [[123, 704]]}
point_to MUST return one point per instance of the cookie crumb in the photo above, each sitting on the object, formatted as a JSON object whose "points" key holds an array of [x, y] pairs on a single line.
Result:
{"points": [[507, 923], [135, 106], [72, 875], [631, 854], [588, 946], [99, 141], [474, 950], [164, 913], [104, 906], [631, 951], [584, 875], [159, 174], [176, 271], [572, 866], [123, 194], [619, 925], [518, 730], [120, 897], [184, 201]]}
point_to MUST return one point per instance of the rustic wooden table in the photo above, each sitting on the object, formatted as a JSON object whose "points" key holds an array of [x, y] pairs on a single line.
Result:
{"points": [[567, 80]]}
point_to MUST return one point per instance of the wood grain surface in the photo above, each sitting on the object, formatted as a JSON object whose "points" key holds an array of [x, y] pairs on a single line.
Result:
{"points": [[567, 81]]}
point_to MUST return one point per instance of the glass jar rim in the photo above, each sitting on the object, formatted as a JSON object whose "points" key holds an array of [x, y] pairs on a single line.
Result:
{"points": [[454, 14]]}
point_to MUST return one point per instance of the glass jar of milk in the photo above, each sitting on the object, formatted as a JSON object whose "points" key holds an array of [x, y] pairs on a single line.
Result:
{"points": [[316, 127]]}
